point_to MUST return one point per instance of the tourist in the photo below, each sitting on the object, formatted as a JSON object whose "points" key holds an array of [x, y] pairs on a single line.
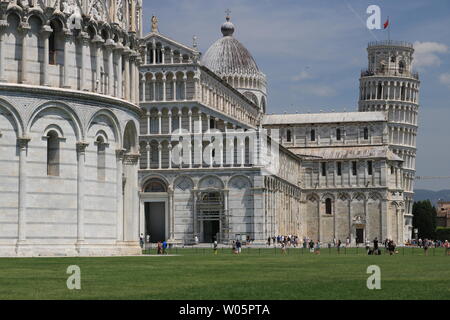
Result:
{"points": [[215, 247], [391, 247], [447, 247], [159, 248], [318, 247], [268, 241], [196, 239], [311, 246], [238, 246], [283, 248], [375, 246], [339, 246], [425, 245], [164, 247], [141, 240], [367, 244]]}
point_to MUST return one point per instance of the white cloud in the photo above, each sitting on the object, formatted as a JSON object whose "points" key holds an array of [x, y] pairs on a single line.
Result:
{"points": [[426, 53], [304, 75], [445, 79]]}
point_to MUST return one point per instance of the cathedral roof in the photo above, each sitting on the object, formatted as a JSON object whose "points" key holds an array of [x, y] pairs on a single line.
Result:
{"points": [[227, 56], [363, 152], [330, 117]]}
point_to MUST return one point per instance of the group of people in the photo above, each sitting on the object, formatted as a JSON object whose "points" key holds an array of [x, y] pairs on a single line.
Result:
{"points": [[161, 247], [236, 246], [289, 240]]}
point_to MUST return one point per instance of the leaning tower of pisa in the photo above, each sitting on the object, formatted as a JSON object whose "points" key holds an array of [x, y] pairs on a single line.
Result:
{"points": [[389, 84]]}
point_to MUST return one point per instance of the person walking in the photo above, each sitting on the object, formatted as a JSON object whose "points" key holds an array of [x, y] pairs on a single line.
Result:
{"points": [[215, 247], [238, 246], [164, 247], [311, 246], [447, 247], [141, 240], [159, 248], [375, 246], [283, 248], [318, 247], [425, 245], [339, 246]]}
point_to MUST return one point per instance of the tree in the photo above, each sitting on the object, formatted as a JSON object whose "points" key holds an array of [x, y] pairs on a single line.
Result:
{"points": [[424, 219]]}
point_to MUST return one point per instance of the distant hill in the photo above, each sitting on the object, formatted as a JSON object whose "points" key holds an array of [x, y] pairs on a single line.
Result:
{"points": [[433, 196]]}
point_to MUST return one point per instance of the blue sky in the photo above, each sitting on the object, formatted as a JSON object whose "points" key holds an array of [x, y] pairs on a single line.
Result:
{"points": [[312, 52]]}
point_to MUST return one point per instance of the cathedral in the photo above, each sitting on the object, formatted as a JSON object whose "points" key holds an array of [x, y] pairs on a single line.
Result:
{"points": [[108, 135]]}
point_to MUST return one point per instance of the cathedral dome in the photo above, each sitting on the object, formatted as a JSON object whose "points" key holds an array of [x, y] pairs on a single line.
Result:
{"points": [[227, 56]]}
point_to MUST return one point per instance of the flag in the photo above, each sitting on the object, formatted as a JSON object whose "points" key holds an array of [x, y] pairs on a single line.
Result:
{"points": [[386, 24]]}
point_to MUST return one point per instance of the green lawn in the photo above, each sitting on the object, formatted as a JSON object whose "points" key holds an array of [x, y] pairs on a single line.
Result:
{"points": [[254, 274]]}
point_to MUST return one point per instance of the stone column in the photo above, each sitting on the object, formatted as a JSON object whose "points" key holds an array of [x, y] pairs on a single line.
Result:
{"points": [[23, 147], [3, 27], [171, 214], [159, 155], [118, 50], [164, 87], [81, 154], [131, 199], [84, 42], [24, 29], [184, 88], [119, 193], [180, 118], [153, 82], [143, 88], [170, 121], [45, 33], [148, 121], [110, 45], [126, 56], [194, 213], [170, 155], [67, 40], [159, 122], [174, 84], [98, 41], [149, 149]]}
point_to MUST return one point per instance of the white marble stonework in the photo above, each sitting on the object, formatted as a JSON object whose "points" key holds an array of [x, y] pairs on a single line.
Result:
{"points": [[68, 129]]}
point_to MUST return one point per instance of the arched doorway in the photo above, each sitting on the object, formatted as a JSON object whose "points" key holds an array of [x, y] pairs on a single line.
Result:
{"points": [[155, 210], [210, 206]]}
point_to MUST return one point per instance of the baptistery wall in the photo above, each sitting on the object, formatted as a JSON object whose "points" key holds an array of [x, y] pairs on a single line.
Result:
{"points": [[68, 127]]}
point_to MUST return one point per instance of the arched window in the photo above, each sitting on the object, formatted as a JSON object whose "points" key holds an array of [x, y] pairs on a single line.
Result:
{"points": [[150, 54], [338, 134], [288, 136], [52, 153], [328, 206], [158, 53], [366, 133], [155, 185], [380, 90], [401, 67], [313, 135], [55, 43], [101, 159]]}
